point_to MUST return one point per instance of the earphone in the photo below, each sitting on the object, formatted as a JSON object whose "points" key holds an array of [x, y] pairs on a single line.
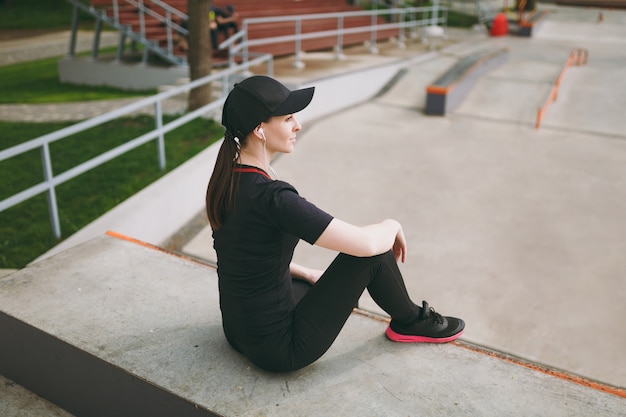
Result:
{"points": [[262, 134]]}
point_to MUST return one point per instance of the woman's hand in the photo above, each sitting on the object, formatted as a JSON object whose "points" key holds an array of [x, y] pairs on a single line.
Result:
{"points": [[313, 276], [399, 246], [306, 274]]}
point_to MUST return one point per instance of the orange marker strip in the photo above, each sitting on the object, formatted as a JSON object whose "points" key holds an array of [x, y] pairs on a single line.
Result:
{"points": [[154, 247], [609, 389]]}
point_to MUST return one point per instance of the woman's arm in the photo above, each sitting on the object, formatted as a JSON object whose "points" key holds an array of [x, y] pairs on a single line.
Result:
{"points": [[364, 241]]}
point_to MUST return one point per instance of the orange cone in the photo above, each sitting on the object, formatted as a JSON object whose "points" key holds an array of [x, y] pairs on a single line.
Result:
{"points": [[500, 26]]}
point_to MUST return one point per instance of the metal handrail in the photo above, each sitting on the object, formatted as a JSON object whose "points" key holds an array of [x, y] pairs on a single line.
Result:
{"points": [[51, 181], [485, 11], [167, 20], [406, 19], [169, 10], [403, 19], [124, 30]]}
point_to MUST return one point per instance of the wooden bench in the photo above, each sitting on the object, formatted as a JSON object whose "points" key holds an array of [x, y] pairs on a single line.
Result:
{"points": [[157, 32], [270, 30], [449, 90]]}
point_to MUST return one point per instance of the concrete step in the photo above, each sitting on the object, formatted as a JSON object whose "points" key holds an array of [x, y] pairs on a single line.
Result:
{"points": [[16, 401], [116, 327]]}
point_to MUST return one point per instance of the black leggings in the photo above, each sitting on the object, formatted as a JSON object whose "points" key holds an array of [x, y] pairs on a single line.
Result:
{"points": [[324, 309]]}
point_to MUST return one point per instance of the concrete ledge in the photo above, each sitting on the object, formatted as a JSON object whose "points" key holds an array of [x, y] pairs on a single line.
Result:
{"points": [[449, 90], [87, 71], [115, 327], [80, 381]]}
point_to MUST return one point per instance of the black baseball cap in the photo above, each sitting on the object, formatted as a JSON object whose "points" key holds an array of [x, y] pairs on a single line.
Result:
{"points": [[258, 98]]}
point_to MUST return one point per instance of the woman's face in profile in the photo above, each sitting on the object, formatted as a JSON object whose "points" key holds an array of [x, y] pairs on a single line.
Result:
{"points": [[280, 133]]}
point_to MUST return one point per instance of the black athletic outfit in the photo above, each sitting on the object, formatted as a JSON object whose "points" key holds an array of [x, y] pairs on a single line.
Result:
{"points": [[265, 316]]}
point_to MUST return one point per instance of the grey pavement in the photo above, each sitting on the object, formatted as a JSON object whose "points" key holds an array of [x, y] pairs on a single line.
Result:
{"points": [[76, 111], [517, 230], [50, 45]]}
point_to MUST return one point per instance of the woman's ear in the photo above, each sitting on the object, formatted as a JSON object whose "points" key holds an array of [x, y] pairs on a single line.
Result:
{"points": [[260, 133]]}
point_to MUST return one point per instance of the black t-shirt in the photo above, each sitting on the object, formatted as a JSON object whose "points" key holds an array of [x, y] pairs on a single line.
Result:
{"points": [[254, 248]]}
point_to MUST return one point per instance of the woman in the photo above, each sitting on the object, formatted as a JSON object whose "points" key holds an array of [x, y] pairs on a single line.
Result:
{"points": [[281, 315]]}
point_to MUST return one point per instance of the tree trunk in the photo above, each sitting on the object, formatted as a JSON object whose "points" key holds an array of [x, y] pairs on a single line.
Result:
{"points": [[199, 54]]}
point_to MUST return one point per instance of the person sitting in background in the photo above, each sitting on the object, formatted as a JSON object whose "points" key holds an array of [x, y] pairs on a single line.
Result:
{"points": [[222, 20]]}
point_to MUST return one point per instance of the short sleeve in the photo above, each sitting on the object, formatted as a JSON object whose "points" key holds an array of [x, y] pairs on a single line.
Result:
{"points": [[295, 215]]}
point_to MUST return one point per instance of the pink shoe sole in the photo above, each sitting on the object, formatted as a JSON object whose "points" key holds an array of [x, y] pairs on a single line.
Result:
{"points": [[403, 338]]}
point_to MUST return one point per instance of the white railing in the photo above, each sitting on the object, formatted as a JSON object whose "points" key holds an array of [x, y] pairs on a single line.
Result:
{"points": [[486, 10], [172, 27], [404, 20], [112, 18], [51, 180], [142, 11]]}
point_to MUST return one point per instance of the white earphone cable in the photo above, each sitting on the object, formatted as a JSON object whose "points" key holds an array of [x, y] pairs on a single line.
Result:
{"points": [[265, 154]]}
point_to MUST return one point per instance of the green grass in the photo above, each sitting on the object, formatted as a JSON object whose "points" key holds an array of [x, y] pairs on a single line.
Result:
{"points": [[25, 230], [38, 82], [461, 20]]}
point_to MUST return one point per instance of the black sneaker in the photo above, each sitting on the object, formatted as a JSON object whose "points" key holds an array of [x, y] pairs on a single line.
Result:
{"points": [[430, 327]]}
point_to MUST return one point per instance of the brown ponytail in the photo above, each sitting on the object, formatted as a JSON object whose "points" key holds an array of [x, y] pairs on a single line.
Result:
{"points": [[222, 185]]}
